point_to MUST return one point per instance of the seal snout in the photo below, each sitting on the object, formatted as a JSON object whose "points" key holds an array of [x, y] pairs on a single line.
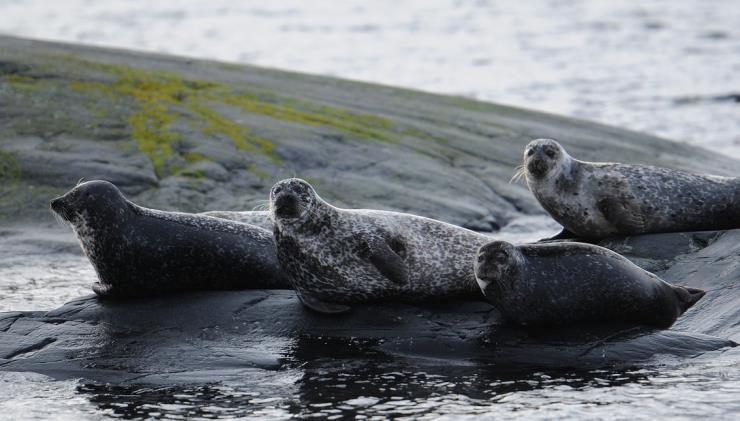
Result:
{"points": [[286, 205], [537, 167], [58, 206], [541, 155], [291, 198]]}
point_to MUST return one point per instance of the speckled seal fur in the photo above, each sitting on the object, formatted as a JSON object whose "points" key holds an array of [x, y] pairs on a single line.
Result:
{"points": [[140, 252], [335, 257], [567, 283], [597, 200]]}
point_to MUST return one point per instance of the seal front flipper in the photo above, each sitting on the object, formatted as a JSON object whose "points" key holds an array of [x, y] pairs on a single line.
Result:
{"points": [[385, 257], [321, 306], [625, 216]]}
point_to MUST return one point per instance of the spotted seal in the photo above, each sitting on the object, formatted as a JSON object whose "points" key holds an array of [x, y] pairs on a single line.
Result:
{"points": [[563, 283], [597, 200], [335, 257], [138, 251]]}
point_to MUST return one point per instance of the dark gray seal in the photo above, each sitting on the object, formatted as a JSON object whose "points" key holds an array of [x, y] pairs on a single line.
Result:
{"points": [[564, 283], [597, 200], [139, 252], [335, 257]]}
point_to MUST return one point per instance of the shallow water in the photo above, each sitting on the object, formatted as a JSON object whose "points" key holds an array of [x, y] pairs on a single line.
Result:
{"points": [[666, 67], [703, 388]]}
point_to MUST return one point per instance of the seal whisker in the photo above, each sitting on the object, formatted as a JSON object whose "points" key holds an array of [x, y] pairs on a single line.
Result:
{"points": [[59, 219], [262, 205], [519, 172]]}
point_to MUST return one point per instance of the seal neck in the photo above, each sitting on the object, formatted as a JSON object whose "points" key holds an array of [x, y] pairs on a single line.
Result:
{"points": [[563, 178]]}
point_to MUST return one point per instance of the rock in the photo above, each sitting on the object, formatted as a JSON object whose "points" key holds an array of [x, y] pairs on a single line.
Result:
{"points": [[218, 336], [192, 135]]}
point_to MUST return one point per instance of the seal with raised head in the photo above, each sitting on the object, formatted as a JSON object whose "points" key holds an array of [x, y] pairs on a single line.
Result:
{"points": [[565, 283], [139, 252], [335, 257], [599, 199]]}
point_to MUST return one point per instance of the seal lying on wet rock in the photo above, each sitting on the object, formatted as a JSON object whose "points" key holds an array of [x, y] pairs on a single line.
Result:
{"points": [[597, 200], [335, 257], [562, 283], [138, 251]]}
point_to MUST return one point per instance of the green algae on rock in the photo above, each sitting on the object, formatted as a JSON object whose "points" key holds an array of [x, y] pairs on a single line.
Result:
{"points": [[195, 135]]}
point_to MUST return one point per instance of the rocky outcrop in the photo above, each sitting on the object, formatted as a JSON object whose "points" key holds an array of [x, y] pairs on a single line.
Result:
{"points": [[194, 135]]}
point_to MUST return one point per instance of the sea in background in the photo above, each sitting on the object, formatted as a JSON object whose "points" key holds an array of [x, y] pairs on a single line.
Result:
{"points": [[670, 68]]}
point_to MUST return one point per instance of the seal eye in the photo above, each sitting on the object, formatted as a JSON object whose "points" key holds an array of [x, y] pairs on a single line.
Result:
{"points": [[550, 153], [530, 152], [277, 189]]}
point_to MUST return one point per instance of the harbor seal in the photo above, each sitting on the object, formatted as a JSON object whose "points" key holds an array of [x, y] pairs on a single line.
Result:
{"points": [[335, 257], [596, 200], [563, 283], [139, 252]]}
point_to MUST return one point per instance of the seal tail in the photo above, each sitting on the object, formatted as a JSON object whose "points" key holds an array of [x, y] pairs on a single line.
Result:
{"points": [[687, 297]]}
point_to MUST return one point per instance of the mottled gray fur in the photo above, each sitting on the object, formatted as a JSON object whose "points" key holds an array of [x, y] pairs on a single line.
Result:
{"points": [[339, 256], [138, 251], [562, 283], [596, 200]]}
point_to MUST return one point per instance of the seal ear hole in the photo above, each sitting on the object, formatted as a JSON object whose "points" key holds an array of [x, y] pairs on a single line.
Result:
{"points": [[398, 246]]}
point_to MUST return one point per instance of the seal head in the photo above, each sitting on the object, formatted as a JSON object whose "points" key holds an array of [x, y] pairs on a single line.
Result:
{"points": [[92, 204], [291, 201], [544, 159], [496, 266]]}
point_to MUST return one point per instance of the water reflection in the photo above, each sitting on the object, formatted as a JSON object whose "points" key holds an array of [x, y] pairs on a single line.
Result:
{"points": [[364, 389]]}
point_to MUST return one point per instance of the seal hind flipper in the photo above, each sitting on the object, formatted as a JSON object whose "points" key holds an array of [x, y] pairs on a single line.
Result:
{"points": [[625, 216], [688, 296], [388, 262], [322, 307]]}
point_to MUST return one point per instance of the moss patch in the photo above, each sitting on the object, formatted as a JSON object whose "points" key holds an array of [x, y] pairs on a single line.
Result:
{"points": [[9, 168], [151, 103]]}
